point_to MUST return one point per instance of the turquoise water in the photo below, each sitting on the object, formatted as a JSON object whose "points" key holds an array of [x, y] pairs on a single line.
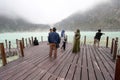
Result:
{"points": [[89, 36]]}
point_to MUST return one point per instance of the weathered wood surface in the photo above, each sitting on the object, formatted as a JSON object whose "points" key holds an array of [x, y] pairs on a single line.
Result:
{"points": [[89, 64]]}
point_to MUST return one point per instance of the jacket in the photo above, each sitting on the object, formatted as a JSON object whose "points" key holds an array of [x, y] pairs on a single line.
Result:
{"points": [[54, 37]]}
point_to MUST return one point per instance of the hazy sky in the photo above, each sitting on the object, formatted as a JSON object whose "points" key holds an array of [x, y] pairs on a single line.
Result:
{"points": [[46, 11]]}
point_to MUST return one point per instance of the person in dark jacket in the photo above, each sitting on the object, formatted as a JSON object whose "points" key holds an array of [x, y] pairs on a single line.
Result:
{"points": [[51, 30], [97, 37], [35, 42], [54, 41]]}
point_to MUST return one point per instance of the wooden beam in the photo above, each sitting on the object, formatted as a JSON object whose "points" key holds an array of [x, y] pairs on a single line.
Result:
{"points": [[3, 54]]}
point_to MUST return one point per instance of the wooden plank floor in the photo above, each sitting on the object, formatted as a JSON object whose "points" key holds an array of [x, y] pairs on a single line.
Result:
{"points": [[89, 64]]}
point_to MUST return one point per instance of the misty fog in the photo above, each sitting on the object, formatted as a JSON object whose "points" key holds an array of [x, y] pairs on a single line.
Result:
{"points": [[40, 14]]}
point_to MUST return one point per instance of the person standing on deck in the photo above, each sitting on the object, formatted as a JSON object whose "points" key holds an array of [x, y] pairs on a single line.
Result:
{"points": [[51, 30], [54, 41], [76, 44], [98, 37], [63, 40]]}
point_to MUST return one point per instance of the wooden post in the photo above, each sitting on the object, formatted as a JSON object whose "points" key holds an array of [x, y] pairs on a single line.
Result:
{"points": [[6, 43], [29, 41], [32, 39], [115, 49], [21, 48], [9, 46], [3, 54], [23, 42], [117, 69], [41, 38], [107, 40], [26, 42], [84, 40], [17, 42], [112, 45]]}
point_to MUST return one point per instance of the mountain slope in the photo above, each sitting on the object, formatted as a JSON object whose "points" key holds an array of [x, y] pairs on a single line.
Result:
{"points": [[8, 24], [104, 16]]}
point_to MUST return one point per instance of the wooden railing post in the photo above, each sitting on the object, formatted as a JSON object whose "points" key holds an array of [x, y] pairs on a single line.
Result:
{"points": [[17, 42], [9, 46], [84, 40], [3, 54], [21, 48], [115, 49], [29, 41], [41, 38], [23, 42], [117, 69], [107, 40], [32, 39], [26, 42], [6, 43], [112, 45]]}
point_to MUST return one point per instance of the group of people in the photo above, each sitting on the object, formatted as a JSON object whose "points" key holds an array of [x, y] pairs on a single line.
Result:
{"points": [[54, 41]]}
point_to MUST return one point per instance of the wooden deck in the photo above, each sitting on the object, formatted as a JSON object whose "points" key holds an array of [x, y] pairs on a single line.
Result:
{"points": [[90, 64]]}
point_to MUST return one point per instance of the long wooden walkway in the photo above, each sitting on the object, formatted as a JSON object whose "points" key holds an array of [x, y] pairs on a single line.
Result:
{"points": [[90, 64]]}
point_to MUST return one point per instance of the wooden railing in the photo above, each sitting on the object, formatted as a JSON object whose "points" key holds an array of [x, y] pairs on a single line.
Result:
{"points": [[114, 47], [20, 45]]}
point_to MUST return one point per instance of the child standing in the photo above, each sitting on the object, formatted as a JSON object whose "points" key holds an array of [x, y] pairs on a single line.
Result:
{"points": [[97, 37]]}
